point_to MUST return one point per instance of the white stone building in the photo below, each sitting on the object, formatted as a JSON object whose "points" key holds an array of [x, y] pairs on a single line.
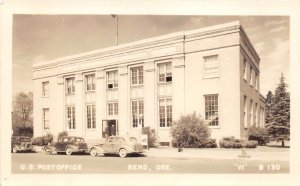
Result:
{"points": [[213, 71]]}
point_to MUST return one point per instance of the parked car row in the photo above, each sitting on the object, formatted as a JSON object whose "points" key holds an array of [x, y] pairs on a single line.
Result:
{"points": [[119, 145]]}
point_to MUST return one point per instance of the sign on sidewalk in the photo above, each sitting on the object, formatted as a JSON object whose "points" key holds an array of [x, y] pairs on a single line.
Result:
{"points": [[144, 140]]}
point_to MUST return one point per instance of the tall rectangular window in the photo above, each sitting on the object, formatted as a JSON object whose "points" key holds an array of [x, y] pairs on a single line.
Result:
{"points": [[254, 79], [91, 116], [211, 110], [90, 82], [137, 108], [70, 85], [245, 69], [137, 76], [211, 66], [245, 112], [165, 72], [256, 83], [256, 115], [112, 79], [112, 109], [251, 112], [46, 119], [71, 117], [251, 76], [165, 112], [45, 89]]}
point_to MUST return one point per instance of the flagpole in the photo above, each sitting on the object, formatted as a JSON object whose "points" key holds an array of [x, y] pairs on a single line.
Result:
{"points": [[117, 27], [117, 34]]}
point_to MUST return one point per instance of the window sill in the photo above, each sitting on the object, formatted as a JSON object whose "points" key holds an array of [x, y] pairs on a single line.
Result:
{"points": [[214, 127], [90, 91], [115, 88], [90, 130], [211, 77], [70, 94], [138, 85], [162, 83], [45, 96], [164, 128]]}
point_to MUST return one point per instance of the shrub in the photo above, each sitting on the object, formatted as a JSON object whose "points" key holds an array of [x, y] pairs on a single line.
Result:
{"points": [[38, 141], [190, 131], [251, 144], [152, 137], [209, 143], [62, 134], [258, 134], [43, 140], [231, 142]]}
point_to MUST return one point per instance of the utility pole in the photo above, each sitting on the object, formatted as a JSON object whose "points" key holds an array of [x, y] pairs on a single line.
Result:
{"points": [[117, 27]]}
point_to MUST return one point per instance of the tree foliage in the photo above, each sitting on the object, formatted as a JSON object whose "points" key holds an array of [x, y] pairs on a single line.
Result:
{"points": [[269, 104], [190, 131], [279, 125], [152, 136], [22, 111], [258, 134]]}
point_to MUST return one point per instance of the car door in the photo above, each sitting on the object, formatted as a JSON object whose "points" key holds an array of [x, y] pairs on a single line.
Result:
{"points": [[116, 145], [107, 147], [59, 144]]}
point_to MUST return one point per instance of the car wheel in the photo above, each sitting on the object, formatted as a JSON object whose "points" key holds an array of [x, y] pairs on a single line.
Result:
{"points": [[93, 152], [122, 153], [15, 150], [48, 150], [68, 151]]}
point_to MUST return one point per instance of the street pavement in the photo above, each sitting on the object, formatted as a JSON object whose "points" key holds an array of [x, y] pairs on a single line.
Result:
{"points": [[159, 160]]}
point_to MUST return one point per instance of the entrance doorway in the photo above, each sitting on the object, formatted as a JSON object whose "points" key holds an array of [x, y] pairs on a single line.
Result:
{"points": [[109, 128]]}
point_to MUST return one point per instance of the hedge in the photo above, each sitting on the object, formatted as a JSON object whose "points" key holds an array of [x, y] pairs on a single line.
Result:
{"points": [[231, 142]]}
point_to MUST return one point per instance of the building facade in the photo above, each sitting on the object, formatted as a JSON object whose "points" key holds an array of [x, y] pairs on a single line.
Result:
{"points": [[213, 71]]}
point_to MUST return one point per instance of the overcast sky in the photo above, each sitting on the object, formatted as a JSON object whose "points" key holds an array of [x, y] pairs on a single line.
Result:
{"points": [[38, 38]]}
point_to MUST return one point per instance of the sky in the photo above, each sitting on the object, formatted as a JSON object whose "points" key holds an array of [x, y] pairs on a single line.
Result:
{"points": [[39, 38]]}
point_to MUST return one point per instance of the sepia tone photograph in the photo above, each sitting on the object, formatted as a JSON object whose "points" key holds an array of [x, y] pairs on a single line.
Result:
{"points": [[149, 93]]}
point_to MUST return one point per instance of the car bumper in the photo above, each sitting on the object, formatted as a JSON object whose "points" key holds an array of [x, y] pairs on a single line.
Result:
{"points": [[25, 149], [80, 150]]}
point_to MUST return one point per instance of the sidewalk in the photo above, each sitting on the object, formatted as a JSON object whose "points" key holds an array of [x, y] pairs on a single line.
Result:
{"points": [[260, 153]]}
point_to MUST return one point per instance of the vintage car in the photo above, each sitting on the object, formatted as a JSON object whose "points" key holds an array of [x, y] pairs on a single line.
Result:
{"points": [[117, 145], [20, 144], [68, 145]]}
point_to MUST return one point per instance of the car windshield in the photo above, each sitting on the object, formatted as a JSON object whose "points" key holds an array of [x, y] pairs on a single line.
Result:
{"points": [[25, 139], [133, 139], [79, 140]]}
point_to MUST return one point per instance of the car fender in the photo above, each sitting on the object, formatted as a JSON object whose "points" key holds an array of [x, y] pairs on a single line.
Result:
{"points": [[49, 147], [127, 148], [99, 149], [72, 147]]}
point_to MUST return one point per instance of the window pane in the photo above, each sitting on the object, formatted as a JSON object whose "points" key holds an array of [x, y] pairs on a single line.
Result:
{"points": [[141, 75], [116, 108], [94, 116], [211, 110]]}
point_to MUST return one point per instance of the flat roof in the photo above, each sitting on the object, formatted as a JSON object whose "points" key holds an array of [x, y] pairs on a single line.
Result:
{"points": [[144, 42]]}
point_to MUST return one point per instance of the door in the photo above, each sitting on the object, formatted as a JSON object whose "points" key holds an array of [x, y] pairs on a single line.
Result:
{"points": [[109, 128]]}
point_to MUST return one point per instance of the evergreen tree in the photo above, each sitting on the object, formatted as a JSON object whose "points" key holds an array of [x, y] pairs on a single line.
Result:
{"points": [[279, 127], [269, 104]]}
